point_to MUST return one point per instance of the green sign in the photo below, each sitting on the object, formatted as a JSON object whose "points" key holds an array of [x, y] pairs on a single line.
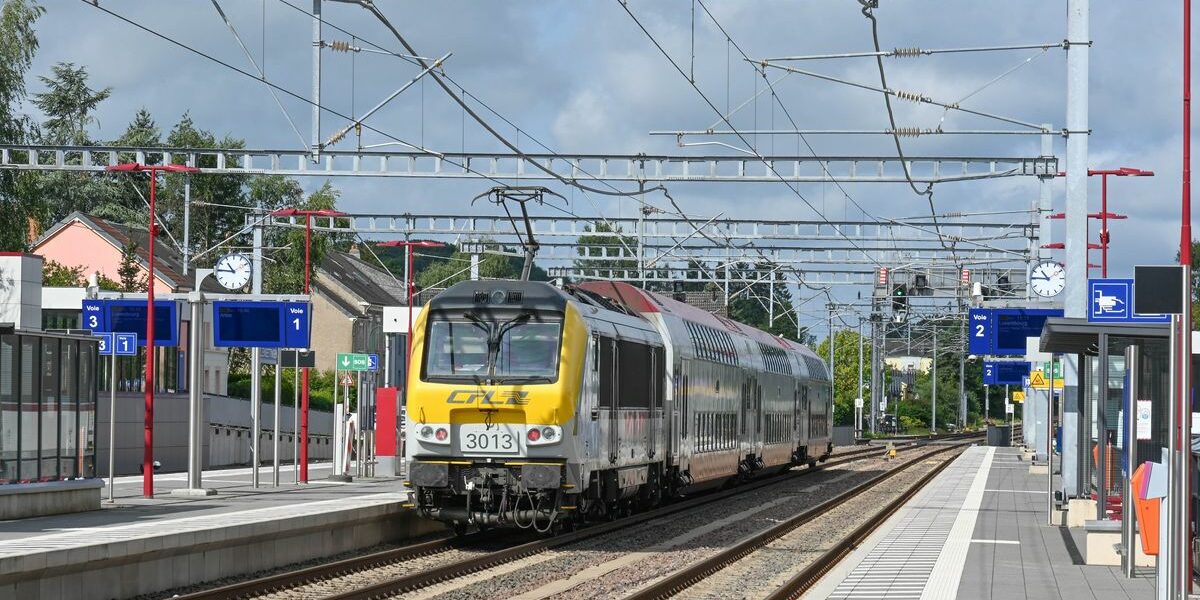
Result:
{"points": [[347, 361], [1058, 373]]}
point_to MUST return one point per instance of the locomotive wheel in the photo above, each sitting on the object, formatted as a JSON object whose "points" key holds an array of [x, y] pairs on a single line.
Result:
{"points": [[460, 529]]}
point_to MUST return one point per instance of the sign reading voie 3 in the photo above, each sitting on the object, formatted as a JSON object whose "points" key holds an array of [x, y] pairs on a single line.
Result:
{"points": [[257, 324], [1111, 301]]}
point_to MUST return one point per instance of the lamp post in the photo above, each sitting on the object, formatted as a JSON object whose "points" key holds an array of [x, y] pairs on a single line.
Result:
{"points": [[1103, 216], [408, 245], [302, 460], [148, 427]]}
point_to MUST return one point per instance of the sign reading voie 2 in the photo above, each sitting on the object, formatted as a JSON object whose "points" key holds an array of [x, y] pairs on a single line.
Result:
{"points": [[1111, 301]]}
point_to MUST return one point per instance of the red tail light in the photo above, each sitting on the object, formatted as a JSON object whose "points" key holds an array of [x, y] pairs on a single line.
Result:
{"points": [[441, 434], [534, 435]]}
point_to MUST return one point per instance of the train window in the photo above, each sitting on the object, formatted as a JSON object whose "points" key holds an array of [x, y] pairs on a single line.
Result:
{"points": [[607, 373], [456, 349], [529, 350], [633, 374]]}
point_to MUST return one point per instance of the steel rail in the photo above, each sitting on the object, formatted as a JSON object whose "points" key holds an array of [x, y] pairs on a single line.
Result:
{"points": [[462, 568], [803, 581], [697, 572], [291, 579]]}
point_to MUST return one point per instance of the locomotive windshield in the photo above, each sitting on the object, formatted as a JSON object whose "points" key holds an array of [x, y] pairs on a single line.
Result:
{"points": [[506, 351]]}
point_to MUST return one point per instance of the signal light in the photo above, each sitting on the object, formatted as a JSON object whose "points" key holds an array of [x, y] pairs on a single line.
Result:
{"points": [[442, 434], [548, 433], [533, 435], [899, 297]]}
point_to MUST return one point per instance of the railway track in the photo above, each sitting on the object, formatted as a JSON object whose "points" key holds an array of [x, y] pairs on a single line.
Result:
{"points": [[458, 568], [683, 579]]}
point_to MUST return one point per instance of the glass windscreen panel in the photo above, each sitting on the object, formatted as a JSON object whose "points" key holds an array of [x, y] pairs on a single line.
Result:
{"points": [[529, 350], [456, 349], [500, 352]]}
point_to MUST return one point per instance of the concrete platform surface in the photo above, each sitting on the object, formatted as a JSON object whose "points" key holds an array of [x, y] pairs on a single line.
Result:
{"points": [[137, 546], [978, 531]]}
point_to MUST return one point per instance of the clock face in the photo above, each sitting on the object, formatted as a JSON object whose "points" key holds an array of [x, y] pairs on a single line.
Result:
{"points": [[1048, 279], [233, 271]]}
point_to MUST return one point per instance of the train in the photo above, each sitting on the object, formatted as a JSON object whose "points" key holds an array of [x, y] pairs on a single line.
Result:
{"points": [[538, 406]]}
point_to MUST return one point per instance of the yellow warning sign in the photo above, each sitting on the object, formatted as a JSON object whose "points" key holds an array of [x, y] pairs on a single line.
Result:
{"points": [[1038, 381], [1018, 396]]}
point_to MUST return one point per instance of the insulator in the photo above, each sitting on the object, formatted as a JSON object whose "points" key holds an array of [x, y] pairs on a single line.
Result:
{"points": [[907, 131], [907, 52], [338, 46], [337, 137], [911, 96]]}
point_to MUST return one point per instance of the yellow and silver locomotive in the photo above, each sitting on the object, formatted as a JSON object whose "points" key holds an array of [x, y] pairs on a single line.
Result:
{"points": [[535, 406]]}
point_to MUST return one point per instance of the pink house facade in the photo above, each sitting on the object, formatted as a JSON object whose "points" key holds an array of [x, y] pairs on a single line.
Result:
{"points": [[97, 245]]}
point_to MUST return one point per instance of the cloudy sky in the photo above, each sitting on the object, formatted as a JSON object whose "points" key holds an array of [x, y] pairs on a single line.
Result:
{"points": [[582, 77]]}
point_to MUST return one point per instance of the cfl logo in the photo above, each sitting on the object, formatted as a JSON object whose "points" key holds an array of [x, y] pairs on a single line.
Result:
{"points": [[490, 397]]}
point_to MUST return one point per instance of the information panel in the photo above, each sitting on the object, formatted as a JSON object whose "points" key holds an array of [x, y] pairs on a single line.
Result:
{"points": [[1005, 372], [1012, 325], [251, 324], [129, 316], [979, 320]]}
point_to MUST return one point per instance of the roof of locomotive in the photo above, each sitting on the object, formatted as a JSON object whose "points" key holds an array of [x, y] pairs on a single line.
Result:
{"points": [[536, 295], [643, 301]]}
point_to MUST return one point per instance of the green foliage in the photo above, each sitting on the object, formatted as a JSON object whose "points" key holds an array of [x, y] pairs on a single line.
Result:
{"points": [[284, 273], [130, 270], [56, 274], [18, 45], [908, 423], [68, 104], [320, 387], [845, 373], [593, 245]]}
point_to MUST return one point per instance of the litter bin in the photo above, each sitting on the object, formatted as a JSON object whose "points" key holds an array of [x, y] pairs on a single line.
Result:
{"points": [[999, 435]]}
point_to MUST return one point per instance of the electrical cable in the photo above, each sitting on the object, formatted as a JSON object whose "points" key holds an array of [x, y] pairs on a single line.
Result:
{"points": [[867, 6], [709, 102]]}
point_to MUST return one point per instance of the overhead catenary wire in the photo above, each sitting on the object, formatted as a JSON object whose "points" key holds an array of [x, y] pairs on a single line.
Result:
{"points": [[624, 5]]}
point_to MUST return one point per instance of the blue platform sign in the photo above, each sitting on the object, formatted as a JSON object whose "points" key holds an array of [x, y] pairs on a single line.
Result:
{"points": [[105, 344], [1111, 301], [372, 362], [1005, 372], [1011, 327], [980, 322], [256, 324], [125, 344], [296, 333], [129, 316], [95, 316]]}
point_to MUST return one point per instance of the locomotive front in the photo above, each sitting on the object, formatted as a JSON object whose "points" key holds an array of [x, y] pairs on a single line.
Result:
{"points": [[493, 389]]}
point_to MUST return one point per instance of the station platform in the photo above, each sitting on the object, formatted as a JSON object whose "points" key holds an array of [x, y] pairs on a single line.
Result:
{"points": [[978, 531], [136, 546]]}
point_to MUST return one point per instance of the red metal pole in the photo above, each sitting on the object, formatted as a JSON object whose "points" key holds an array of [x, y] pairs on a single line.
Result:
{"points": [[148, 433], [304, 383], [1185, 259], [1104, 225]]}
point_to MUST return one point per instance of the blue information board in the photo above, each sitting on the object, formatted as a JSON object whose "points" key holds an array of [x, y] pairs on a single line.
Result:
{"points": [[979, 320], [1005, 372], [252, 324], [1111, 301], [1010, 327], [372, 362], [129, 316], [104, 345], [125, 344], [95, 316]]}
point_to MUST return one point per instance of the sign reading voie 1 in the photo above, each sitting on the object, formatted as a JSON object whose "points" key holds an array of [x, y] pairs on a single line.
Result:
{"points": [[1111, 301], [257, 324]]}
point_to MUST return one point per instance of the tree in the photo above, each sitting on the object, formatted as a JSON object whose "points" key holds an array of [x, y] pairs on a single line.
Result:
{"points": [[845, 372], [56, 274], [130, 270], [607, 256], [18, 45], [68, 103], [284, 274]]}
